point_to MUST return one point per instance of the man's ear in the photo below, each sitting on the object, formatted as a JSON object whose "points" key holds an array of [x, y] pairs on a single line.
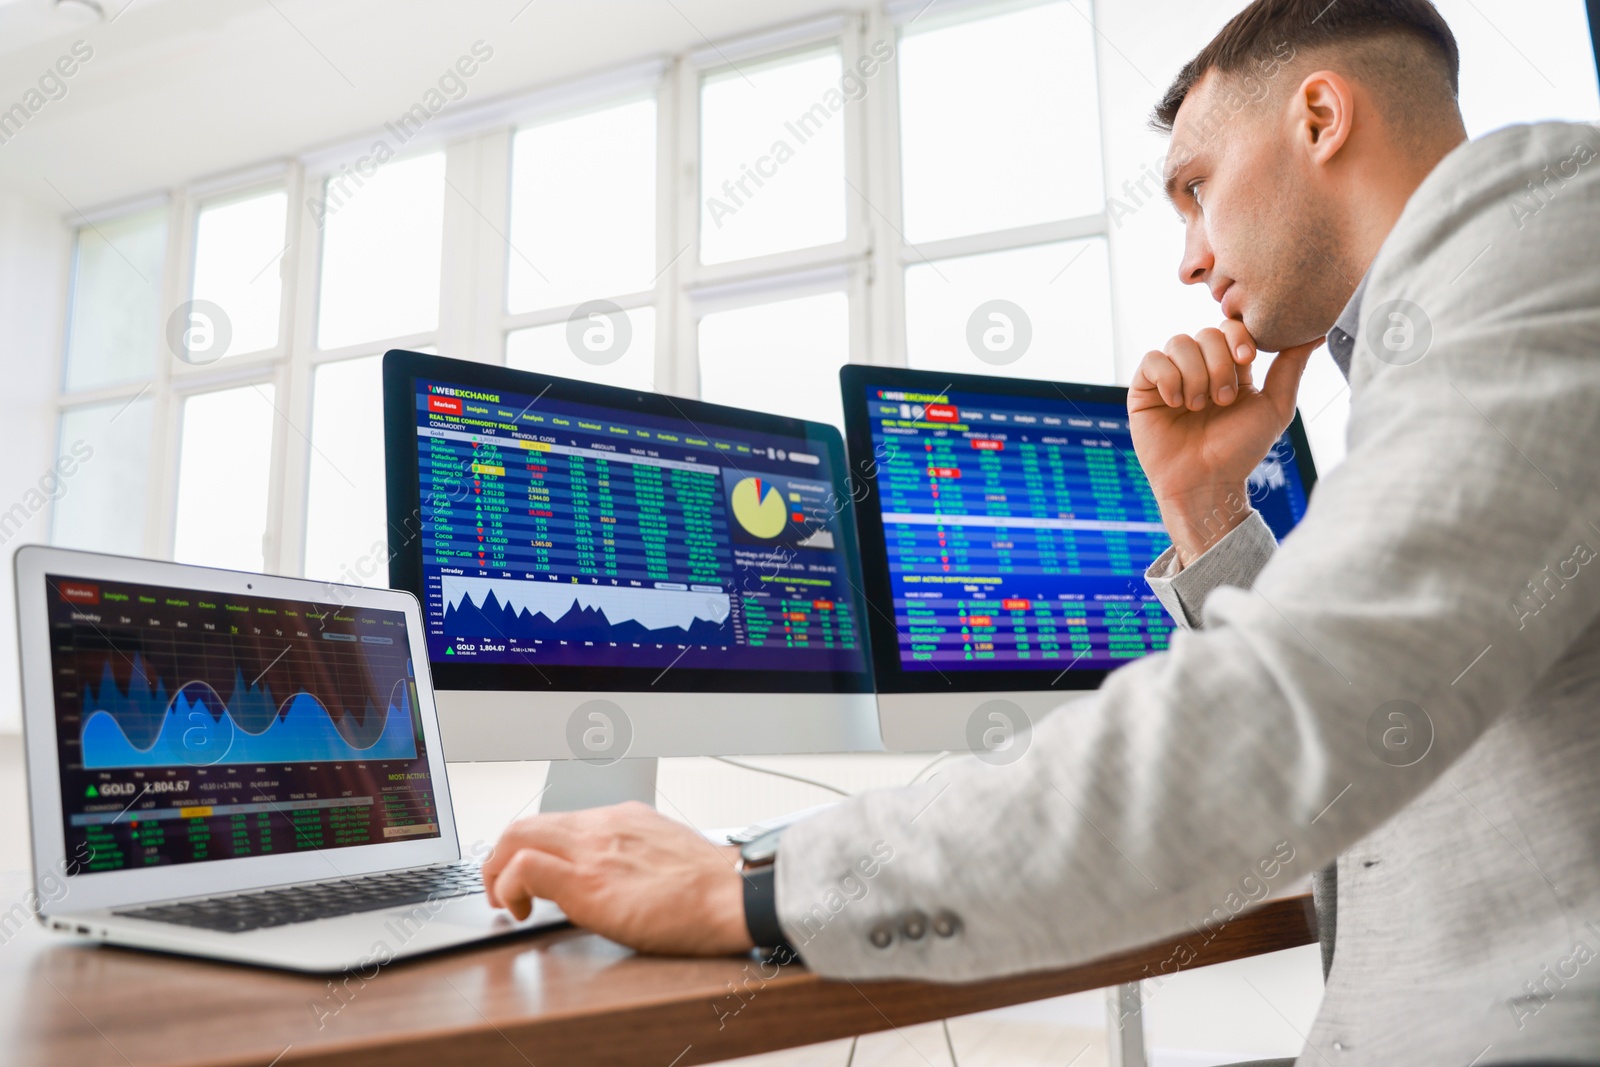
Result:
{"points": [[1324, 110]]}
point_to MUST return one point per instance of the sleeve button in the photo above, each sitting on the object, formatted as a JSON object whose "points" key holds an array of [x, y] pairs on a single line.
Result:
{"points": [[914, 925], [881, 935], [946, 923]]}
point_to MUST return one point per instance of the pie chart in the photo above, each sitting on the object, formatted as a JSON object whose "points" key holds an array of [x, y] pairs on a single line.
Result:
{"points": [[759, 508]]}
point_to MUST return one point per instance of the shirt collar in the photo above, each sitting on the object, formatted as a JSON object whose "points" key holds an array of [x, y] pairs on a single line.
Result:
{"points": [[1342, 338]]}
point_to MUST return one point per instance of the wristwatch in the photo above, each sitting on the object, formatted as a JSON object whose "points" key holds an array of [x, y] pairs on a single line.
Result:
{"points": [[758, 860]]}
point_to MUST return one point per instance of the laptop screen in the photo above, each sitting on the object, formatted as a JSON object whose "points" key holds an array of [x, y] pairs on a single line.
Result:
{"points": [[195, 726]]}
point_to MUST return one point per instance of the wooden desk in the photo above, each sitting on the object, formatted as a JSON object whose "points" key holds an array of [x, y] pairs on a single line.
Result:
{"points": [[553, 998]]}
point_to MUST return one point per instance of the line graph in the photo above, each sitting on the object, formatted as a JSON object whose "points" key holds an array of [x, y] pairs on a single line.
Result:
{"points": [[145, 726]]}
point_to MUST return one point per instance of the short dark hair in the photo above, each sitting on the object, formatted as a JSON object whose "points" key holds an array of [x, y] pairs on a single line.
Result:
{"points": [[1267, 27]]}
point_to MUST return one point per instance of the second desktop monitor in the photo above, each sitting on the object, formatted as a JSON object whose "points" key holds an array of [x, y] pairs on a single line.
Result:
{"points": [[1005, 529]]}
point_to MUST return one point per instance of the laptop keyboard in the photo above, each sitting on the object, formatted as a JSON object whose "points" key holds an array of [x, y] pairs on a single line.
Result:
{"points": [[239, 912]]}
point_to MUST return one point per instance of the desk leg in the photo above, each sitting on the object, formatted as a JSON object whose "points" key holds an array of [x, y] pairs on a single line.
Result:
{"points": [[1124, 1026]]}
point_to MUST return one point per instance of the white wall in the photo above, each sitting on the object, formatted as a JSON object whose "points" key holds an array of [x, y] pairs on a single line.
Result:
{"points": [[34, 248]]}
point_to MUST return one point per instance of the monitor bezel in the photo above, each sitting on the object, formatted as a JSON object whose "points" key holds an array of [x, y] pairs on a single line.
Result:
{"points": [[890, 675], [401, 369]]}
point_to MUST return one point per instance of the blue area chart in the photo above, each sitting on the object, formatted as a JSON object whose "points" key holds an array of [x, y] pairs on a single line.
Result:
{"points": [[552, 610], [146, 726]]}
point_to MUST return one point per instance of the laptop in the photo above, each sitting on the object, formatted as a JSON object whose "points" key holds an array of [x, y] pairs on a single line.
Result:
{"points": [[239, 766]]}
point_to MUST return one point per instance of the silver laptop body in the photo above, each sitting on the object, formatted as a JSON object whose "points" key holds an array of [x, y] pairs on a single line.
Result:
{"points": [[239, 766]]}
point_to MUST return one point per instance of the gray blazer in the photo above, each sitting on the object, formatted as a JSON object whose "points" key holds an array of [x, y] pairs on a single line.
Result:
{"points": [[1410, 683]]}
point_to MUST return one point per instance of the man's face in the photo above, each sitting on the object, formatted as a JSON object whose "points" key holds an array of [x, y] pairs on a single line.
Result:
{"points": [[1258, 223]]}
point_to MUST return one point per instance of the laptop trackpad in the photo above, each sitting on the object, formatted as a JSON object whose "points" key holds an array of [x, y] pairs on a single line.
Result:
{"points": [[474, 913]]}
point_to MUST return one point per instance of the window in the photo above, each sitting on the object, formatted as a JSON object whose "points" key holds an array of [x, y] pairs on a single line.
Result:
{"points": [[582, 238], [122, 357], [782, 357], [346, 518], [239, 247], [105, 502], [772, 160], [583, 208], [116, 292], [1007, 268], [1015, 139], [224, 467], [603, 344], [736, 229], [1042, 311], [381, 244], [380, 287]]}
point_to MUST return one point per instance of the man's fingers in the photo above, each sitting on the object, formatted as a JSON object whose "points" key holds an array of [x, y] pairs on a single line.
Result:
{"points": [[1157, 372], [1184, 351], [1247, 377], [553, 833], [1191, 371], [1241, 346], [527, 875], [1222, 379], [1283, 378]]}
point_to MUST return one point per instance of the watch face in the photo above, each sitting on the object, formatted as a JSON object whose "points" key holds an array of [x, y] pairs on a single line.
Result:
{"points": [[763, 849]]}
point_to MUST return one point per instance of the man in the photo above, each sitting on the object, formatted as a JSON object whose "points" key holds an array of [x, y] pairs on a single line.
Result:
{"points": [[1408, 683]]}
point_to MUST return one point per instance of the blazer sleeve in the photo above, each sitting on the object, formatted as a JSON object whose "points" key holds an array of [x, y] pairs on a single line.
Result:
{"points": [[1439, 572], [1235, 559]]}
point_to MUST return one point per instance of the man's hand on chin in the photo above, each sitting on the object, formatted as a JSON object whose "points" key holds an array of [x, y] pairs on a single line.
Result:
{"points": [[1200, 426], [627, 873]]}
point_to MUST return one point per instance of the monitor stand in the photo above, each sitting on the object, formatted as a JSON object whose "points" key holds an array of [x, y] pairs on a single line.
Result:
{"points": [[573, 784]]}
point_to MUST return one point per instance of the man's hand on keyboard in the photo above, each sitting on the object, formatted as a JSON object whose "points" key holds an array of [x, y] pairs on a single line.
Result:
{"points": [[626, 872]]}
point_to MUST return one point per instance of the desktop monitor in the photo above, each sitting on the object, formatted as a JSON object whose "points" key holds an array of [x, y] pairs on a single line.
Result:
{"points": [[1009, 525], [609, 575]]}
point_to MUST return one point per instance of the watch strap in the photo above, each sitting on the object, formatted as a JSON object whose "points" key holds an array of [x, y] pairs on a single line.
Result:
{"points": [[761, 908]]}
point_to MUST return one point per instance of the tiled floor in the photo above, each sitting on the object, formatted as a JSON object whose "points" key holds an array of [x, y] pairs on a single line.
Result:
{"points": [[979, 1041]]}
